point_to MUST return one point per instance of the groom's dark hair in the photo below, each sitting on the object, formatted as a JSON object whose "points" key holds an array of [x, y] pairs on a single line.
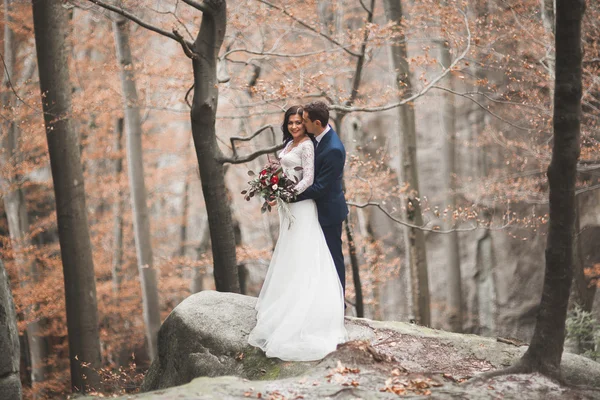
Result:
{"points": [[318, 111]]}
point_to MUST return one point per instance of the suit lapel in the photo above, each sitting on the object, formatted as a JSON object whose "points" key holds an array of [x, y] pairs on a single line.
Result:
{"points": [[325, 141]]}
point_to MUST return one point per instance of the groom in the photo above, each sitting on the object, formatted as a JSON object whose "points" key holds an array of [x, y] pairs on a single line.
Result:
{"points": [[326, 190]]}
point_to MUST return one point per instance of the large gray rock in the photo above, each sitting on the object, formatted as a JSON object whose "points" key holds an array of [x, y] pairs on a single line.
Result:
{"points": [[10, 385], [205, 336]]}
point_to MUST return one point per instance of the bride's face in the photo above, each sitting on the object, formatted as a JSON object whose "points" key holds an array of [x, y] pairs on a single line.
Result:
{"points": [[296, 126]]}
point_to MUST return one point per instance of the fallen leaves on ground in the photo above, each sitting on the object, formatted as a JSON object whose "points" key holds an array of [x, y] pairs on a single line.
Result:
{"points": [[402, 385]]}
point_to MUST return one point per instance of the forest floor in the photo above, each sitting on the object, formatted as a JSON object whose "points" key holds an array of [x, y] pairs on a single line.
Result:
{"points": [[399, 360]]}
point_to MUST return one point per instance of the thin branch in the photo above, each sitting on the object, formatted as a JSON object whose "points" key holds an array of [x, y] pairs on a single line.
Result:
{"points": [[186, 47], [527, 31], [266, 53], [360, 62], [187, 94], [419, 94], [591, 61], [484, 108], [234, 139], [250, 157], [365, 7], [173, 13], [408, 224], [253, 115], [138, 21], [512, 103], [12, 88], [587, 189], [307, 26], [271, 101]]}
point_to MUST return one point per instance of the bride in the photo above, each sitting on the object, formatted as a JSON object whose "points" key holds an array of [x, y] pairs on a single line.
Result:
{"points": [[301, 306]]}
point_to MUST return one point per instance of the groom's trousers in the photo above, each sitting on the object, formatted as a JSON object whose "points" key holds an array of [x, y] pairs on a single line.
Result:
{"points": [[333, 237]]}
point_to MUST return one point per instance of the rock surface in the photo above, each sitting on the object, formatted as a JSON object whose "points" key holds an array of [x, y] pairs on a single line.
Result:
{"points": [[10, 384], [205, 338]]}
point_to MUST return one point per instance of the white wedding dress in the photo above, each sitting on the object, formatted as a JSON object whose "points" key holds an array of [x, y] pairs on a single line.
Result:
{"points": [[301, 306]]}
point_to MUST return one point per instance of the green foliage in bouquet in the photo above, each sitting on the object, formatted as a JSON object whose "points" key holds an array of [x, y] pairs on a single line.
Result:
{"points": [[271, 184]]}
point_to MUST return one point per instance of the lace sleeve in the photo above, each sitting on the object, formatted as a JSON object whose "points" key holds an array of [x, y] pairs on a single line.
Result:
{"points": [[284, 150], [307, 156]]}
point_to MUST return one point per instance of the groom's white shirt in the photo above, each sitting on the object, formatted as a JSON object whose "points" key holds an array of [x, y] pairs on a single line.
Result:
{"points": [[322, 135]]}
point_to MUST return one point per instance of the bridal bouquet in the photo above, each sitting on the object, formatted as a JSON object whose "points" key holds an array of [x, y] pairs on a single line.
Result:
{"points": [[271, 184]]}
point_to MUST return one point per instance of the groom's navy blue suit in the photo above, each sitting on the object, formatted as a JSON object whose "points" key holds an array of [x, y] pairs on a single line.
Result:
{"points": [[326, 191]]}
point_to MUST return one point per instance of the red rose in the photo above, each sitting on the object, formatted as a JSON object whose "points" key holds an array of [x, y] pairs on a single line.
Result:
{"points": [[274, 180], [263, 172]]}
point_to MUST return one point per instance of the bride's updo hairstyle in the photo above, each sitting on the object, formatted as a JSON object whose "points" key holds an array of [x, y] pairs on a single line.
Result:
{"points": [[293, 110]]}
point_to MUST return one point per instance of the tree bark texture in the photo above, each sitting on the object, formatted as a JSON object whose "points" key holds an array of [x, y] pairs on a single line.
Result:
{"points": [[141, 218], [10, 384], [545, 351], [50, 22], [414, 238], [203, 116]]}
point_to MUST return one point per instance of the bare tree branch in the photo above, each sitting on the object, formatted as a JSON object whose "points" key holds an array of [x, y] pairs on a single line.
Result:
{"points": [[234, 139], [485, 108], [174, 14], [186, 48], [14, 90], [252, 156], [591, 61], [253, 115], [273, 54], [187, 94], [271, 101], [365, 7], [360, 62], [420, 93], [408, 224], [307, 26], [138, 21]]}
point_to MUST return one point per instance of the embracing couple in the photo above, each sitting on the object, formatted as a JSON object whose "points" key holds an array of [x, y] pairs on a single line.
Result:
{"points": [[301, 304]]}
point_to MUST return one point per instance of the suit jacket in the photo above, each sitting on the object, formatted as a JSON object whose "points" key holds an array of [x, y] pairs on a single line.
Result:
{"points": [[326, 190]]}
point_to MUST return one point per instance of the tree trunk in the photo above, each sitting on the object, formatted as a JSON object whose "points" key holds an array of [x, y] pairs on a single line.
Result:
{"points": [[414, 238], [50, 26], [10, 383], [545, 352], [14, 203], [117, 257], [184, 220], [203, 116], [141, 219], [197, 283], [454, 308], [485, 308], [360, 307]]}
